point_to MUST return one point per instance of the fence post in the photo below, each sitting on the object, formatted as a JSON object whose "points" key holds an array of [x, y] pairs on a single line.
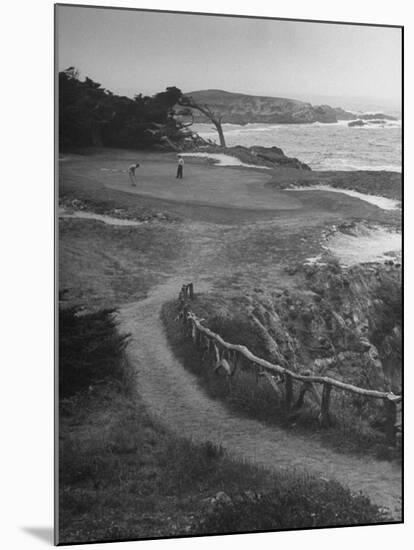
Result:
{"points": [[256, 373], [229, 374], [235, 362], [199, 339], [288, 392], [391, 418], [326, 398], [185, 313], [191, 291], [306, 386], [184, 292]]}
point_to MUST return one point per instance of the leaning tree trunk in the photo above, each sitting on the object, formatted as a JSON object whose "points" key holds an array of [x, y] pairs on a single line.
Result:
{"points": [[216, 118], [219, 129]]}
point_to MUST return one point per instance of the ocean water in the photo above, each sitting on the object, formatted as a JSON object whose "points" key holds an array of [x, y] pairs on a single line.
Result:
{"points": [[322, 146]]}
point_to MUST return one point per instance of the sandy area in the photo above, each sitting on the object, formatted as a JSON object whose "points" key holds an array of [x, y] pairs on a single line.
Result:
{"points": [[381, 202], [223, 160], [376, 245], [108, 220]]}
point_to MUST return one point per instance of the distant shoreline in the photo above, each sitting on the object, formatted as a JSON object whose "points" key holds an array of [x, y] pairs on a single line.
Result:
{"points": [[238, 108]]}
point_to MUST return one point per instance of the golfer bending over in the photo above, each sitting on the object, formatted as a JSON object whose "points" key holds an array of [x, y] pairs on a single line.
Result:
{"points": [[131, 173], [180, 167]]}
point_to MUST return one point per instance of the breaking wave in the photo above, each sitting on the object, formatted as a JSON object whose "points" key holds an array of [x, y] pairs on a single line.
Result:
{"points": [[322, 146]]}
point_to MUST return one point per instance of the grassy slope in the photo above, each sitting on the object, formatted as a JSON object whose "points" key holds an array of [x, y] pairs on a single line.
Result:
{"points": [[103, 265]]}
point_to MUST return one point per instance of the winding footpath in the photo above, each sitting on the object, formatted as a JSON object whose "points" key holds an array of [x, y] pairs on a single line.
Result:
{"points": [[173, 396]]}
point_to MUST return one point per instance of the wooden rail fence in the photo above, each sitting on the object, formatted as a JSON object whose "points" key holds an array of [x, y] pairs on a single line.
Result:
{"points": [[228, 358]]}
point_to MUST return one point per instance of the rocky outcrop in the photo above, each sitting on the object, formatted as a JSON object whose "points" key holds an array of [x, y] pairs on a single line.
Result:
{"points": [[369, 119], [334, 321], [376, 116], [359, 314], [272, 157], [358, 122], [244, 109]]}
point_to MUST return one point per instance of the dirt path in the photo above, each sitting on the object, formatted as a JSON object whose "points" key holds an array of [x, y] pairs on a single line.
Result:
{"points": [[172, 394]]}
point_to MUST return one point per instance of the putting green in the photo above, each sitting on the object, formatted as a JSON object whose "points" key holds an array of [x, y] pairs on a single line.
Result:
{"points": [[208, 185], [202, 184]]}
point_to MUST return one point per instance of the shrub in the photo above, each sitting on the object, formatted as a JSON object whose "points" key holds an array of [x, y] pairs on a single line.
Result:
{"points": [[90, 349]]}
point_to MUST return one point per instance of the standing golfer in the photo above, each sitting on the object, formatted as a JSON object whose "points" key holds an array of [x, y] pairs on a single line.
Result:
{"points": [[180, 167], [131, 173]]}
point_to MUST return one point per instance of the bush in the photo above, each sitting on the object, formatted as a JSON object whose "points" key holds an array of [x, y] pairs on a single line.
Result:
{"points": [[90, 349]]}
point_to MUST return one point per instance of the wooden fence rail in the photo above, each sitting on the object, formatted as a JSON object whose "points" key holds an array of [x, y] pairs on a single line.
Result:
{"points": [[228, 357]]}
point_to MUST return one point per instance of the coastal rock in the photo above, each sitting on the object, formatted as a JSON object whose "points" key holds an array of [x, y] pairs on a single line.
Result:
{"points": [[272, 157], [358, 122], [245, 109], [376, 116], [277, 157]]}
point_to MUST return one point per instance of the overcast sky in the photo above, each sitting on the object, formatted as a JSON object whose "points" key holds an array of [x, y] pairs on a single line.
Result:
{"points": [[131, 51]]}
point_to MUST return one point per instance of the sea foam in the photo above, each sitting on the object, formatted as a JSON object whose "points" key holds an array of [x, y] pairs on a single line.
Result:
{"points": [[322, 146]]}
